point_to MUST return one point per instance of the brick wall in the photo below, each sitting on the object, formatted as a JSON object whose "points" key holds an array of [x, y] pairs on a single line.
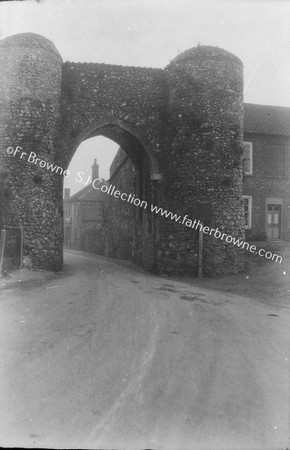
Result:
{"points": [[268, 182]]}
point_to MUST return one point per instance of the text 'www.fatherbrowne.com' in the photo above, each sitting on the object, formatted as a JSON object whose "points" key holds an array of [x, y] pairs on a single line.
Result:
{"points": [[184, 220], [109, 189], [215, 232]]}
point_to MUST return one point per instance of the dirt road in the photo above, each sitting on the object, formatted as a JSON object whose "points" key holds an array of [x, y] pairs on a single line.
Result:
{"points": [[106, 356]]}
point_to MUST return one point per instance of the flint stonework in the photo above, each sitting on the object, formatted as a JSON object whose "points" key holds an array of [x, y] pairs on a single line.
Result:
{"points": [[181, 129]]}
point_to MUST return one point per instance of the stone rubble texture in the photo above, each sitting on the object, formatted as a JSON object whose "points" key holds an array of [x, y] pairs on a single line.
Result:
{"points": [[180, 127]]}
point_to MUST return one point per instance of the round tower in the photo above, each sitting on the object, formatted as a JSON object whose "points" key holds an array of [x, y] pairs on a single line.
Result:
{"points": [[204, 164], [30, 85]]}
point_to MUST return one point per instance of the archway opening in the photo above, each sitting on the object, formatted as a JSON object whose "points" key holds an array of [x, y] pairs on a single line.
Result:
{"points": [[107, 162], [100, 148]]}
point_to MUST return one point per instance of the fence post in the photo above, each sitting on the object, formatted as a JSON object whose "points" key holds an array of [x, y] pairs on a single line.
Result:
{"points": [[3, 175], [200, 252], [2, 248], [21, 247]]}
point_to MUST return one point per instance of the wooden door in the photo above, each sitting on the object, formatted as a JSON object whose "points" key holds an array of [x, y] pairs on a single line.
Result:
{"points": [[273, 229]]}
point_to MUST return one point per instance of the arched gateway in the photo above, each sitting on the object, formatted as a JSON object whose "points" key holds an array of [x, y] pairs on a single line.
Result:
{"points": [[181, 127]]}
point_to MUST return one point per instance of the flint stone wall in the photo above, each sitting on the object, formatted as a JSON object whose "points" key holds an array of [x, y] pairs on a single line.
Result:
{"points": [[181, 127]]}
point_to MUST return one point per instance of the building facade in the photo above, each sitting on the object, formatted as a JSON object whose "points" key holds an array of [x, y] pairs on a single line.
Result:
{"points": [[84, 218], [266, 184], [121, 215]]}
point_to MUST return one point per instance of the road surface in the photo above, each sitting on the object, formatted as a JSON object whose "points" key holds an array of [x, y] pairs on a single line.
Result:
{"points": [[104, 355]]}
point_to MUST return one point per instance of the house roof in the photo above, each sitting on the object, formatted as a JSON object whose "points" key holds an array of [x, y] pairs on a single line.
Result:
{"points": [[88, 193], [265, 119]]}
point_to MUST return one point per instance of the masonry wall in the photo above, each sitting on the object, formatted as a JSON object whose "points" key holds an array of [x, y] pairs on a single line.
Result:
{"points": [[120, 224], [201, 170], [181, 127], [202, 167], [130, 232], [126, 104], [30, 82], [93, 229]]}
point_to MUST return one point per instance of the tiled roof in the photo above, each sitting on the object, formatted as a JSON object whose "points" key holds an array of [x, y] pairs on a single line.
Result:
{"points": [[264, 119], [88, 193], [76, 197]]}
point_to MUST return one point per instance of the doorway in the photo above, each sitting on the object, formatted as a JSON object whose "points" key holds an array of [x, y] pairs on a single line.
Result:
{"points": [[273, 227]]}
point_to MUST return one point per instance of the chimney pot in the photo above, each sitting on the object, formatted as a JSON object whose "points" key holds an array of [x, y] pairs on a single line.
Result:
{"points": [[95, 170]]}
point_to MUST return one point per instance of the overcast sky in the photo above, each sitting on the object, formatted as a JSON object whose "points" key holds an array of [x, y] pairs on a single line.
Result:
{"points": [[151, 33]]}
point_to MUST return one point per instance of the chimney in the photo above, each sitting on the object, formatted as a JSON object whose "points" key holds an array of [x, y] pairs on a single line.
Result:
{"points": [[95, 170], [66, 193]]}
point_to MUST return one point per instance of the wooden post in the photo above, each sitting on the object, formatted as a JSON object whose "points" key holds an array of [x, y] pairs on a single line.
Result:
{"points": [[21, 247], [200, 252], [3, 175], [2, 248]]}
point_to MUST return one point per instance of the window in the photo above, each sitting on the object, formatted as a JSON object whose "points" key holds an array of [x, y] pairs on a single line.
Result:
{"points": [[67, 211], [248, 158], [247, 211], [74, 210]]}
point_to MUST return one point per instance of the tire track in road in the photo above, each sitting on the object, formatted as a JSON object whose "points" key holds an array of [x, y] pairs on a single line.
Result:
{"points": [[133, 388]]}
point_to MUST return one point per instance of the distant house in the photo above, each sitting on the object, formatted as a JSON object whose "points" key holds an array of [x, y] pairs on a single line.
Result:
{"points": [[121, 232], [84, 216], [266, 185]]}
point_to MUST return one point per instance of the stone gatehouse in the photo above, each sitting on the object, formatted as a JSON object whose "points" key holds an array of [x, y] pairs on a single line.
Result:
{"points": [[180, 126]]}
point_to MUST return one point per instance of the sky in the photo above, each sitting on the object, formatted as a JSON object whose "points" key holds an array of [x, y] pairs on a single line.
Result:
{"points": [[150, 33]]}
